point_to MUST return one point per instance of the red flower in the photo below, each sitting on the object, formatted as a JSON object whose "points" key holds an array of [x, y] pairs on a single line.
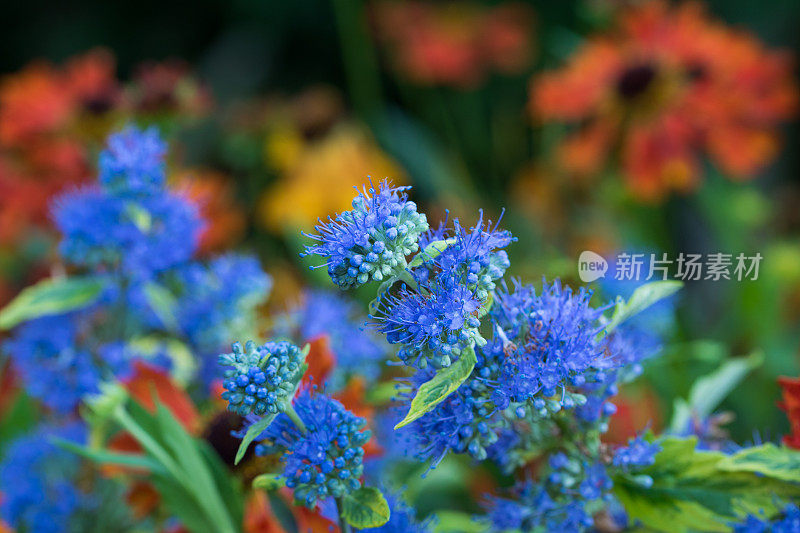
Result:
{"points": [[455, 44], [667, 87], [791, 405]]}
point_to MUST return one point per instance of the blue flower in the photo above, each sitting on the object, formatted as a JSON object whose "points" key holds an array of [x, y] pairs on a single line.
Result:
{"points": [[467, 420], [788, 522], [551, 343], [327, 459], [54, 368], [435, 324], [260, 379], [373, 239], [476, 254], [108, 233], [215, 300], [38, 480], [637, 453], [534, 509], [133, 162]]}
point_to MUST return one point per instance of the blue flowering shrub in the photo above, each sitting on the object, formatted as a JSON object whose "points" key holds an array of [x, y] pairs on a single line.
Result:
{"points": [[457, 364], [134, 293]]}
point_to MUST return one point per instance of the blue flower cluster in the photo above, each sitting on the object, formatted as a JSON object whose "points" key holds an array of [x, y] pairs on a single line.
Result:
{"points": [[216, 302], [131, 224], [477, 255], [467, 420], [553, 343], [545, 368], [37, 477], [637, 453], [372, 241], [434, 324], [533, 509], [131, 233], [133, 162], [56, 367], [260, 379], [788, 522], [323, 459]]}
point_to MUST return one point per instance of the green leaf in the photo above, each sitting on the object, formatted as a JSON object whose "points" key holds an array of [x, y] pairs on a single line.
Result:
{"points": [[691, 492], [642, 298], [163, 304], [252, 432], [767, 460], [104, 457], [458, 522], [432, 251], [268, 482], [50, 297], [446, 380], [195, 470], [365, 507], [709, 391], [140, 216]]}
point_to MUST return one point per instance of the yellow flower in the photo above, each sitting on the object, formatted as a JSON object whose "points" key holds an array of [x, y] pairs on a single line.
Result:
{"points": [[320, 180]]}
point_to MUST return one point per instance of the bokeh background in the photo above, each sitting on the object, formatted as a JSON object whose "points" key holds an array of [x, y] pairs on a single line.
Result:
{"points": [[275, 110]]}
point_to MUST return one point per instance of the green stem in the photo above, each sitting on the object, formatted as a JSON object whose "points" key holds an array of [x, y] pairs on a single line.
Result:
{"points": [[358, 56], [291, 413], [343, 525]]}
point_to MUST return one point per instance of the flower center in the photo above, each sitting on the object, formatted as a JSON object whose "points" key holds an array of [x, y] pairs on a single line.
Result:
{"points": [[635, 80]]}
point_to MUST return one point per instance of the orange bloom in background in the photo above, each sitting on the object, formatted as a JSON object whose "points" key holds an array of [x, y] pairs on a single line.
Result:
{"points": [[258, 515], [33, 102], [92, 81], [455, 44], [791, 405], [214, 195], [320, 178], [167, 87], [667, 87]]}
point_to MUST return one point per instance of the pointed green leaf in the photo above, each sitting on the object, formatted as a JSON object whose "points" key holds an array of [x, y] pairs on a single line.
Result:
{"points": [[767, 460], [252, 432], [446, 380], [50, 297], [365, 508], [642, 298], [268, 482], [104, 457], [709, 391]]}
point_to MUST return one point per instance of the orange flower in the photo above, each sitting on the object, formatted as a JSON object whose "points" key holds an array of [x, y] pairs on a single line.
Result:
{"points": [[455, 44], [320, 359], [91, 78], [32, 102], [214, 195], [167, 87], [149, 381], [667, 87], [258, 515]]}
